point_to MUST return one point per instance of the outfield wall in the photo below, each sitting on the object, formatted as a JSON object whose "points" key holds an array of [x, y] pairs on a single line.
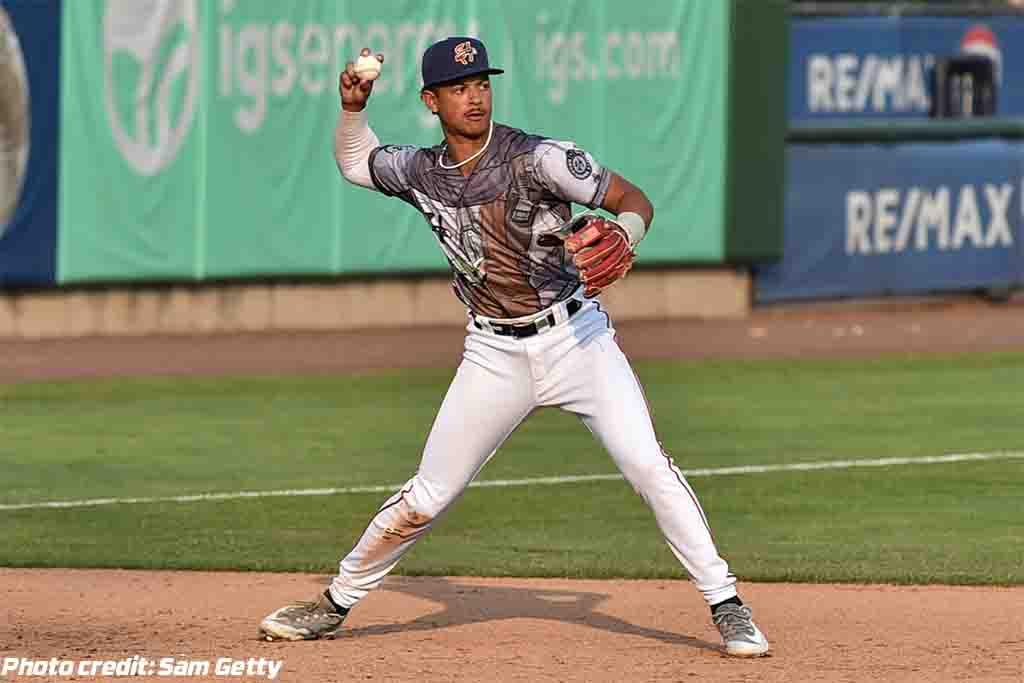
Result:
{"points": [[356, 304], [192, 141], [179, 176], [882, 199], [876, 216]]}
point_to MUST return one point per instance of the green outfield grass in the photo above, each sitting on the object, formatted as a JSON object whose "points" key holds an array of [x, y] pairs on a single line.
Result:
{"points": [[952, 523]]}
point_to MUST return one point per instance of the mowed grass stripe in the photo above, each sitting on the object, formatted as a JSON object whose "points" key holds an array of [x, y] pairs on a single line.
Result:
{"points": [[531, 481]]}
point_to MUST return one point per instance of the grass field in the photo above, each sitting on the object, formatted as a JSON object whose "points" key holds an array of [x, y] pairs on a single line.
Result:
{"points": [[951, 523]]}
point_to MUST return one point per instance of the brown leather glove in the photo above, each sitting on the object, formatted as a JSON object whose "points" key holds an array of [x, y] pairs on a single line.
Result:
{"points": [[602, 254]]}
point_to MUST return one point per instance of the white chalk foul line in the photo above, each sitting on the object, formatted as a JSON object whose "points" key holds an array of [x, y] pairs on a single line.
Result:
{"points": [[532, 481]]}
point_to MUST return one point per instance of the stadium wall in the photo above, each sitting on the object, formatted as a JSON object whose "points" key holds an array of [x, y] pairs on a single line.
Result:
{"points": [[357, 304]]}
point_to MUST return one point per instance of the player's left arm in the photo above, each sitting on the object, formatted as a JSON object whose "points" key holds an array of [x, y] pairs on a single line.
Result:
{"points": [[601, 249], [573, 175], [630, 206]]}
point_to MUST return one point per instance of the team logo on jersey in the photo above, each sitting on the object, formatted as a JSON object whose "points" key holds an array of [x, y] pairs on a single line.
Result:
{"points": [[465, 53], [578, 165], [161, 39], [981, 41]]}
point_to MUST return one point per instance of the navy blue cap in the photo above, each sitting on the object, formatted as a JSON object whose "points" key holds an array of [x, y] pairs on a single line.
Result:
{"points": [[455, 58]]}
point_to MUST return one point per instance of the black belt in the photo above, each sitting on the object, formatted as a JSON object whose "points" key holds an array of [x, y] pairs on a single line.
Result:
{"points": [[529, 329]]}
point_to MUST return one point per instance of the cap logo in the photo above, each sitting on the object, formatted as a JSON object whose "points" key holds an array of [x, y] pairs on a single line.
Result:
{"points": [[465, 53]]}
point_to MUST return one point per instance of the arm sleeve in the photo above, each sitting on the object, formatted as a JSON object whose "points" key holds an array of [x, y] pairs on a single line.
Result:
{"points": [[570, 173], [353, 142]]}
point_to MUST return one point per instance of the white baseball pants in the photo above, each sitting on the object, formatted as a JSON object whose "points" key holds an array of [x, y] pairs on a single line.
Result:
{"points": [[575, 365]]}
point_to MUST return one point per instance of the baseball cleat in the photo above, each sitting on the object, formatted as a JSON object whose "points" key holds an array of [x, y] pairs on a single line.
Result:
{"points": [[741, 636], [304, 621]]}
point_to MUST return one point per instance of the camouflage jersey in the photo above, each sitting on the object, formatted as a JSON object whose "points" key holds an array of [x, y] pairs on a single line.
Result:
{"points": [[488, 223]]}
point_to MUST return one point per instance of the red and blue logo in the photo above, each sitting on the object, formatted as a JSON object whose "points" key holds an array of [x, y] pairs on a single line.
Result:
{"points": [[465, 53]]}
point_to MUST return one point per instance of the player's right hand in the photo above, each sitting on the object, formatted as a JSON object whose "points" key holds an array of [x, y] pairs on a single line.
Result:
{"points": [[355, 91]]}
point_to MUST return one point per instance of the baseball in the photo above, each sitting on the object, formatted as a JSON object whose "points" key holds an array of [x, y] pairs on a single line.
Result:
{"points": [[367, 67]]}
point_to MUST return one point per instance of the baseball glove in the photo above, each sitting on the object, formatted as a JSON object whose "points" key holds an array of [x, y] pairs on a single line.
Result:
{"points": [[600, 249]]}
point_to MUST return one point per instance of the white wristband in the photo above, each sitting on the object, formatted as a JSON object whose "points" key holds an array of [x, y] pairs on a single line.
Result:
{"points": [[634, 226]]}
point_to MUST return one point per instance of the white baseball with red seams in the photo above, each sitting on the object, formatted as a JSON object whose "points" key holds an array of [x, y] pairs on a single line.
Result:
{"points": [[367, 67]]}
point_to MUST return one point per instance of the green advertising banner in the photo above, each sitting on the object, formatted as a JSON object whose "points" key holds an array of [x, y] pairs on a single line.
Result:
{"points": [[197, 137], [131, 162]]}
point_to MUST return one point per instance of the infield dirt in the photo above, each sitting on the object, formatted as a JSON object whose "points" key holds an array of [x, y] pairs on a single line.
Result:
{"points": [[473, 629]]}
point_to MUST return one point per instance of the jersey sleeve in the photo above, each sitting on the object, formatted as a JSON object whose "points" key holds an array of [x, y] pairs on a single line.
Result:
{"points": [[392, 168], [570, 173]]}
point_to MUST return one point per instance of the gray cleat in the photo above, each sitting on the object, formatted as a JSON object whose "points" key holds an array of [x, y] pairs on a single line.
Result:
{"points": [[304, 621], [742, 638]]}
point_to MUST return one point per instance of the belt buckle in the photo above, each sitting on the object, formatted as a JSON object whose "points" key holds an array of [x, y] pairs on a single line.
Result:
{"points": [[523, 331]]}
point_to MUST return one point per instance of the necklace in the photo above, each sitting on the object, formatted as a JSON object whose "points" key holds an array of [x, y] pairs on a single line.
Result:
{"points": [[444, 150]]}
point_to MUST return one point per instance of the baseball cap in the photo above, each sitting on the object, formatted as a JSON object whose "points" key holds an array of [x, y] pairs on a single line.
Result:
{"points": [[454, 58]]}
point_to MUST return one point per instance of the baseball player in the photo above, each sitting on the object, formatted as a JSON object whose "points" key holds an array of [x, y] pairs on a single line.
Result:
{"points": [[498, 201]]}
